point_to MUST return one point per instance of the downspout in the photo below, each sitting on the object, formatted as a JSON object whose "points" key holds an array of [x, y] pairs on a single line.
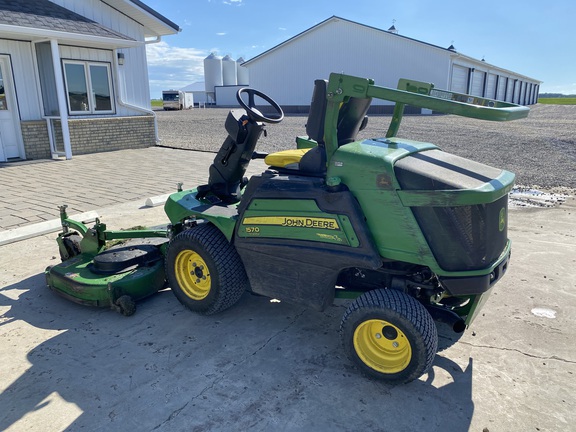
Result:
{"points": [[125, 104], [60, 91]]}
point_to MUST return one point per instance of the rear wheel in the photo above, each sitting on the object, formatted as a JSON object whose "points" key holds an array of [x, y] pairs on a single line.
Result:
{"points": [[389, 335], [204, 270]]}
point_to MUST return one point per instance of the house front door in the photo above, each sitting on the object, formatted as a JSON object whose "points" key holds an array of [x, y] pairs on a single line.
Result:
{"points": [[10, 137]]}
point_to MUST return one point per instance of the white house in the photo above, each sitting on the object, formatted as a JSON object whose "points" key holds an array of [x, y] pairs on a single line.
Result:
{"points": [[287, 71], [73, 76]]}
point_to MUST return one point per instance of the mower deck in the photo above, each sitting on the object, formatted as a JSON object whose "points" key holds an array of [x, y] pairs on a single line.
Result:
{"points": [[134, 271]]}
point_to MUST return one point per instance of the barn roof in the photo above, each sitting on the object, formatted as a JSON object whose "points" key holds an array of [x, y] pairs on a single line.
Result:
{"points": [[332, 19]]}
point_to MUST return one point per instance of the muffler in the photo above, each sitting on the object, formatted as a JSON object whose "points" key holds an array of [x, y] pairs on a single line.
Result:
{"points": [[448, 317]]}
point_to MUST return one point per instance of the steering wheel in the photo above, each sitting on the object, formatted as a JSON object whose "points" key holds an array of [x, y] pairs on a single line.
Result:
{"points": [[251, 109]]}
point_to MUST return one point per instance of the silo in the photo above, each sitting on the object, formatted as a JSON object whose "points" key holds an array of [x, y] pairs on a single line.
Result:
{"points": [[212, 74], [228, 71], [242, 73]]}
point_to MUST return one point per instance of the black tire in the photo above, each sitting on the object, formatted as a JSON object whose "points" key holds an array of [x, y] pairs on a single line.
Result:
{"points": [[389, 335], [72, 245], [204, 270], [125, 305]]}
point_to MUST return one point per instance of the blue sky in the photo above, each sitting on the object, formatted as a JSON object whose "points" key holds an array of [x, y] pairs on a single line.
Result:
{"points": [[532, 38]]}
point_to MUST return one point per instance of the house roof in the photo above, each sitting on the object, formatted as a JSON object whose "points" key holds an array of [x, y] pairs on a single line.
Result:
{"points": [[154, 23], [43, 14], [44, 19]]}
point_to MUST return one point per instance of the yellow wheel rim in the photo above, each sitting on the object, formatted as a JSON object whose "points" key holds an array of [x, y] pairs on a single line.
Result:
{"points": [[192, 275], [382, 346]]}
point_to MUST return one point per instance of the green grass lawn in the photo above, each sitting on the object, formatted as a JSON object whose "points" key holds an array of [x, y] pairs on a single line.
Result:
{"points": [[156, 103], [557, 101]]}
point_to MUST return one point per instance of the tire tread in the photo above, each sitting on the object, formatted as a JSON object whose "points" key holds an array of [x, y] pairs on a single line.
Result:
{"points": [[229, 266], [406, 306]]}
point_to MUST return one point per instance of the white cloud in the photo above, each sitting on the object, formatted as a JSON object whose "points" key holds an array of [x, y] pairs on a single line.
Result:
{"points": [[162, 54], [233, 2], [221, 34], [282, 28], [173, 67]]}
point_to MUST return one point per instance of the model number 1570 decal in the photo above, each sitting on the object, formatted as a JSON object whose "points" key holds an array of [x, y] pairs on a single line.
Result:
{"points": [[297, 222]]}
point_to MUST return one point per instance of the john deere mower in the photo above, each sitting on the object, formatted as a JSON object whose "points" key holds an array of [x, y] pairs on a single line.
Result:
{"points": [[409, 233]]}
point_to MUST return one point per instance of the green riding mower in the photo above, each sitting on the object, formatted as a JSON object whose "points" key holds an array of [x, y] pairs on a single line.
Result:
{"points": [[410, 234]]}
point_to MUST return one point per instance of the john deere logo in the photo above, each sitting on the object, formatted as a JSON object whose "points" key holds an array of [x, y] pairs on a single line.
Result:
{"points": [[293, 222], [502, 219]]}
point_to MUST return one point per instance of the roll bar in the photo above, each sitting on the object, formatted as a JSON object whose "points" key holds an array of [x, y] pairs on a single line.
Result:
{"points": [[416, 93]]}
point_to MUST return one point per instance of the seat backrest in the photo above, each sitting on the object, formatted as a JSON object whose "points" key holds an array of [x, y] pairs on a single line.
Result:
{"points": [[352, 119], [317, 114]]}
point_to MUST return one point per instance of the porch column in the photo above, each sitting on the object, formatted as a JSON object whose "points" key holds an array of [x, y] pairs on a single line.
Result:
{"points": [[61, 93]]}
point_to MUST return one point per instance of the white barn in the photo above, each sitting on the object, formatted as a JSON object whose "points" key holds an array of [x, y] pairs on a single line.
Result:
{"points": [[198, 91], [74, 77], [287, 71]]}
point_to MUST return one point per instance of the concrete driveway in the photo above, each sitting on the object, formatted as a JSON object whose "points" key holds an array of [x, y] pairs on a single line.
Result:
{"points": [[273, 366]]}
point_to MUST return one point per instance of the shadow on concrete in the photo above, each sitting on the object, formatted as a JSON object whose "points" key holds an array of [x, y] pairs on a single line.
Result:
{"points": [[258, 366]]}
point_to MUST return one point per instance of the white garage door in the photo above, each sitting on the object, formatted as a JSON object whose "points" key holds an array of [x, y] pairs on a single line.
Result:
{"points": [[491, 86], [459, 79], [517, 86], [510, 90], [477, 83], [501, 92]]}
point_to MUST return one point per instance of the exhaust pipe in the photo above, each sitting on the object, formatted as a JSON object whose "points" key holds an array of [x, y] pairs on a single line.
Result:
{"points": [[448, 317]]}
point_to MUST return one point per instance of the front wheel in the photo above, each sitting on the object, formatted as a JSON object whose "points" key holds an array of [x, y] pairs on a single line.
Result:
{"points": [[389, 335], [204, 270]]}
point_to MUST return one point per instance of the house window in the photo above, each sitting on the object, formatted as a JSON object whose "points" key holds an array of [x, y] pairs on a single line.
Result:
{"points": [[88, 87]]}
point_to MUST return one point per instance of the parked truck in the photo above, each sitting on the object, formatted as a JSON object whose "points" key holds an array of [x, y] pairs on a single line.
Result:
{"points": [[177, 100]]}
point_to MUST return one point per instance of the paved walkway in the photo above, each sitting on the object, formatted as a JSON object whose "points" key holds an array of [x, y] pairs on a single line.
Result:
{"points": [[30, 192]]}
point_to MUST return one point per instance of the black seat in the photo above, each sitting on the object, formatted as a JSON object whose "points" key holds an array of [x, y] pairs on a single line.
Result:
{"points": [[314, 161], [351, 119]]}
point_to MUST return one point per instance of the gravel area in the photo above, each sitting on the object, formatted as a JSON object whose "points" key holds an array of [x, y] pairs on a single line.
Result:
{"points": [[541, 149]]}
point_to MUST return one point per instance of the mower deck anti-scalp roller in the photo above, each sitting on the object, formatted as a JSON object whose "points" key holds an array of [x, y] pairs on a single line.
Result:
{"points": [[409, 233]]}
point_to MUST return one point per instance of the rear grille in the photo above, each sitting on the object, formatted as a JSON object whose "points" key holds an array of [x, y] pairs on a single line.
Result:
{"points": [[467, 237]]}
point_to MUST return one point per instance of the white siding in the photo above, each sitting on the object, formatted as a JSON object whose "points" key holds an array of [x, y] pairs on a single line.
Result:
{"points": [[24, 77], [342, 46], [287, 72], [136, 90], [88, 54], [226, 96], [100, 12]]}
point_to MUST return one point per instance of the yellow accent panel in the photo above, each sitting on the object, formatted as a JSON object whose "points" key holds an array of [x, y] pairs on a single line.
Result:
{"points": [[286, 157], [296, 222], [382, 346]]}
